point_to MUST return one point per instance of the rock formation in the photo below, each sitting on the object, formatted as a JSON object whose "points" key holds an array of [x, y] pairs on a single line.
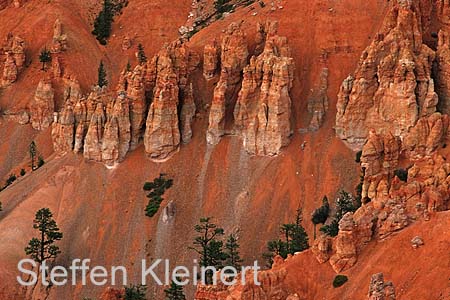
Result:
{"points": [[63, 131], [442, 71], [187, 114], [392, 86], [15, 59], [162, 135], [345, 244], [263, 109], [318, 101], [380, 290], [272, 287], [43, 105], [427, 135], [59, 42], [117, 134], [211, 57], [233, 59], [169, 73], [135, 92], [94, 136]]}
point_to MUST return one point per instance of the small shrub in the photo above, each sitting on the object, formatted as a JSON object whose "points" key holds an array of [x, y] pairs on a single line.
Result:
{"points": [[41, 162], [262, 4], [11, 179], [135, 292], [358, 156], [22, 172], [339, 280], [402, 174]]}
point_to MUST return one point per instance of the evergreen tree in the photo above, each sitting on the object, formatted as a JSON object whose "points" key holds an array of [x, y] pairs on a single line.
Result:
{"points": [[274, 248], [344, 204], [102, 81], [208, 247], [174, 292], [22, 172], [135, 292], [295, 240], [45, 57], [142, 58], [331, 229], [233, 258], [103, 22], [41, 162], [43, 247], [156, 189], [33, 151], [320, 215]]}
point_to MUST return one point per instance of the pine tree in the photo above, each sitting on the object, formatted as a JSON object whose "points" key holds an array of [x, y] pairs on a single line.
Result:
{"points": [[135, 292], [43, 247], [233, 258], [294, 240], [320, 215], [102, 81], [208, 247], [45, 57], [142, 58], [33, 151], [344, 204], [103, 22], [174, 292]]}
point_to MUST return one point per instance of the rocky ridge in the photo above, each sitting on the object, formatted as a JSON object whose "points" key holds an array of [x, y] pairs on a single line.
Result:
{"points": [[392, 85], [14, 51]]}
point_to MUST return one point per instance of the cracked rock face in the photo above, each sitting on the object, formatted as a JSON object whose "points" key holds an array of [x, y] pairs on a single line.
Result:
{"points": [[392, 85], [263, 109], [15, 60], [379, 289], [233, 59], [43, 105]]}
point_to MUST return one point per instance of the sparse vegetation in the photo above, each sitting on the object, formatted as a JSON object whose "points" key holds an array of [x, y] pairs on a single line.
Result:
{"points": [[208, 246], [402, 174], [174, 292], [358, 156], [142, 58], [41, 162], [321, 214], [135, 292], [102, 81], [232, 255], [33, 153], [344, 204], [45, 57], [339, 280], [22, 172], [294, 239], [156, 189], [222, 6], [103, 22], [43, 247]]}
